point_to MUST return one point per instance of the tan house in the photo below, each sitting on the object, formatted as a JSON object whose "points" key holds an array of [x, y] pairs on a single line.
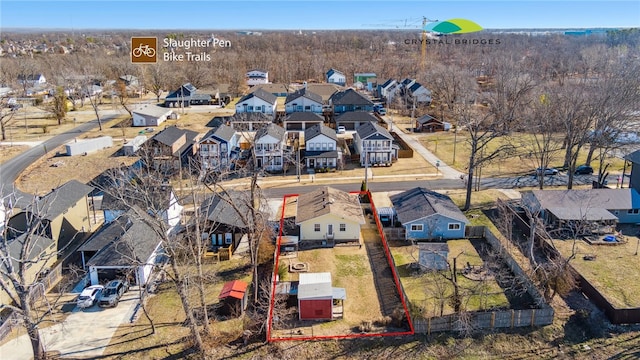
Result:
{"points": [[328, 216]]}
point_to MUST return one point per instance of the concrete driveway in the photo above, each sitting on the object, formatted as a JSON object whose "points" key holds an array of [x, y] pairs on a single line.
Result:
{"points": [[84, 333]]}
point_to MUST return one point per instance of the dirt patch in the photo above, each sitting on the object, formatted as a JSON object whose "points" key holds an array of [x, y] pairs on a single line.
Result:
{"points": [[8, 152]]}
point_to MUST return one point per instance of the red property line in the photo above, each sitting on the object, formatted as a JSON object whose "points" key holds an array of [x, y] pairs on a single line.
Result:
{"points": [[335, 337]]}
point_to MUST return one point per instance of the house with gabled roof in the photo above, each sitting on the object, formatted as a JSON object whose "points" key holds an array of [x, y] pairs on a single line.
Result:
{"points": [[375, 145], [170, 149], [388, 89], [186, 96], [257, 76], [324, 90], [349, 100], [420, 93], [258, 101], [150, 115], [32, 79], [218, 148], [428, 215], [301, 121], [336, 77], [227, 219], [352, 120], [303, 100], [269, 148], [277, 89], [321, 147], [328, 216], [428, 123]]}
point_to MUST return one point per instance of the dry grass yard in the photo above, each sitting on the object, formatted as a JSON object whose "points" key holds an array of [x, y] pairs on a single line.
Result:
{"points": [[8, 152]]}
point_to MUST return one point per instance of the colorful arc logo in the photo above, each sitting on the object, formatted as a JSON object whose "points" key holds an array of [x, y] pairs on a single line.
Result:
{"points": [[453, 26]]}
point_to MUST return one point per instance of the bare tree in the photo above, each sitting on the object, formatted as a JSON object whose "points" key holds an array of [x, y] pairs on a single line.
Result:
{"points": [[57, 106], [7, 111]]}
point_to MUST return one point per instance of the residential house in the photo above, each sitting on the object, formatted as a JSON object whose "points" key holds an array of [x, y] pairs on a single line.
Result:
{"points": [[218, 148], [367, 80], [129, 80], [388, 89], [171, 149], [250, 121], [634, 180], [278, 90], [419, 93], [126, 247], [324, 90], [257, 76], [269, 148], [428, 123], [301, 121], [349, 100], [32, 79], [228, 220], [352, 120], [132, 85], [186, 96], [159, 201], [316, 296], [428, 215], [258, 101], [321, 150], [336, 77], [328, 216], [303, 100], [581, 211], [150, 115], [375, 145]]}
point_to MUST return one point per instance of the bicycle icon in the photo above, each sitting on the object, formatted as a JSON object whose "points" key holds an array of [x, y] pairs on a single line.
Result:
{"points": [[144, 49]]}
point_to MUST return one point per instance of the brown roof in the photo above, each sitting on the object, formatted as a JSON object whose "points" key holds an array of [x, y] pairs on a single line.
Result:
{"points": [[327, 200]]}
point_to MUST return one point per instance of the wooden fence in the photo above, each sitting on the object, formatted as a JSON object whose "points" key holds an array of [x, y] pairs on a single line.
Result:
{"points": [[405, 151]]}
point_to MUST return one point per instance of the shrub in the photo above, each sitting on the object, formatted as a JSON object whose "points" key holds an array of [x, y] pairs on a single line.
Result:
{"points": [[366, 326]]}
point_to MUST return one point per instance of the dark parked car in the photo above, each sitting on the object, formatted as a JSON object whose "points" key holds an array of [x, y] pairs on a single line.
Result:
{"points": [[584, 170], [112, 293], [546, 171]]}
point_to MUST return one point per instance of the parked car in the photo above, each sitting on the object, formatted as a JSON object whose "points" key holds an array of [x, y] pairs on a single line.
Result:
{"points": [[342, 129], [89, 296], [112, 293], [546, 171], [382, 111], [584, 170]]}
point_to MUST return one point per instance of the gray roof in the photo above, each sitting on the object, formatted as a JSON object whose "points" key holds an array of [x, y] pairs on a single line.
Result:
{"points": [[60, 199], [260, 94], [315, 130], [303, 116], [427, 118], [356, 116], [415, 86], [107, 233], [38, 245], [222, 132], [303, 93], [589, 205], [321, 154], [369, 129], [419, 203], [634, 157], [334, 71], [155, 197], [133, 247], [171, 134], [434, 247], [327, 200], [152, 110], [324, 90], [218, 210], [274, 130], [349, 97]]}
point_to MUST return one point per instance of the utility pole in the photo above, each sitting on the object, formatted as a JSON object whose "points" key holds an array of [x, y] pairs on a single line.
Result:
{"points": [[366, 169]]}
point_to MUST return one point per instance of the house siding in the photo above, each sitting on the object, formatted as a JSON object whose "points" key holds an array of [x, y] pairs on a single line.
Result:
{"points": [[434, 227], [351, 233], [255, 105], [316, 309], [303, 104], [624, 217]]}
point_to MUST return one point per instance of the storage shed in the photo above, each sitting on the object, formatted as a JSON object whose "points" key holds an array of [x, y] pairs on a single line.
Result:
{"points": [[150, 115], [85, 146], [316, 296], [233, 297]]}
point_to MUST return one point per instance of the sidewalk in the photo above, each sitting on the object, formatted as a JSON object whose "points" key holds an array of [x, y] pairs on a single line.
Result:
{"points": [[444, 169]]}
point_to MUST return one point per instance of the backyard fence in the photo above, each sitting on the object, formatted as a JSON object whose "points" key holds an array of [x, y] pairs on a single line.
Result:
{"points": [[405, 151]]}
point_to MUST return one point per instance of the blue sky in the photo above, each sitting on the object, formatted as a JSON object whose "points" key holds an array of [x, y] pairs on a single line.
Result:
{"points": [[312, 15]]}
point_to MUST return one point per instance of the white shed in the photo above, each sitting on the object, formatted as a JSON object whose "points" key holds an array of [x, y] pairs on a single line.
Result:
{"points": [[133, 145], [85, 146], [150, 115]]}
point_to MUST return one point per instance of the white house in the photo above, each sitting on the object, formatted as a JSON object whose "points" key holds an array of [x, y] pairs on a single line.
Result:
{"points": [[388, 90], [321, 147], [375, 145], [257, 76], [336, 77], [150, 115], [269, 147], [219, 147], [328, 216], [32, 79], [303, 101], [420, 93], [258, 101]]}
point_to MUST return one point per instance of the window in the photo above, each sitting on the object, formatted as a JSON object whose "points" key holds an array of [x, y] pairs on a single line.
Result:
{"points": [[633, 211], [343, 227], [454, 226], [204, 147], [259, 147], [417, 227], [307, 108], [250, 108], [324, 146], [316, 227]]}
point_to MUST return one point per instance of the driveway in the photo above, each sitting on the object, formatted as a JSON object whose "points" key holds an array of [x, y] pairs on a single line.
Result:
{"points": [[83, 334]]}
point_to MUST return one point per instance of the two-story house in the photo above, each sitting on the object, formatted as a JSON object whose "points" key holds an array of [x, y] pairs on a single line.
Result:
{"points": [[269, 148], [170, 150], [321, 149], [349, 100], [352, 120], [336, 77], [257, 76], [420, 93], [32, 79], [185, 96], [218, 148], [258, 101], [375, 145], [388, 90], [303, 100]]}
